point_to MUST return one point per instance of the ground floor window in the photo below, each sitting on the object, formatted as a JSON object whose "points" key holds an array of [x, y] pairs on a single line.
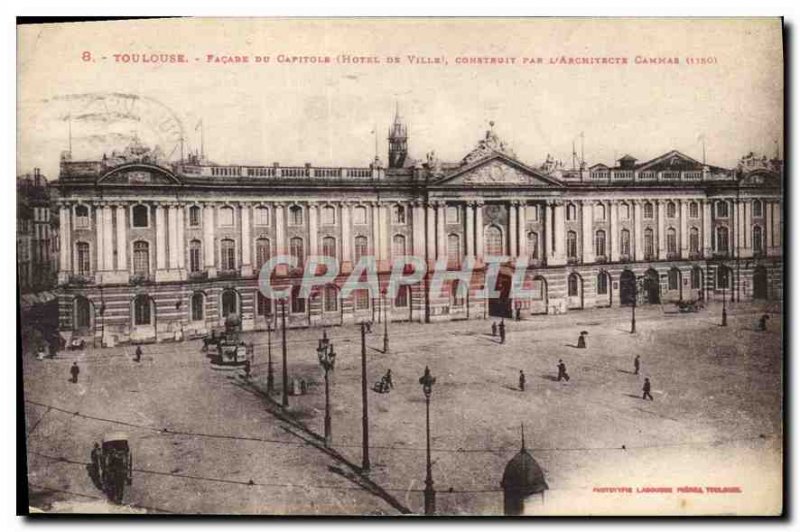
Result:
{"points": [[455, 294], [298, 305], [197, 307], [263, 305], [361, 299], [83, 314], [602, 283], [696, 277], [673, 279], [229, 303], [142, 311], [330, 299], [572, 285], [723, 278], [401, 299]]}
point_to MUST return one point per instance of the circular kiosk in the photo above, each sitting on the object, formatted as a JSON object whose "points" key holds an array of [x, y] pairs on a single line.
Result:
{"points": [[523, 480]]}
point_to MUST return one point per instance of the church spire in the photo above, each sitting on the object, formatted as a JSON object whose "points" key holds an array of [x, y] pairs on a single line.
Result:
{"points": [[398, 141]]}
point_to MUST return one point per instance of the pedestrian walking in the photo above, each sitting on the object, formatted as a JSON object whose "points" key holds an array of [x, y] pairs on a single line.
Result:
{"points": [[646, 390], [247, 369], [494, 328], [762, 322], [388, 378], [74, 370], [636, 365], [562, 371], [502, 329], [521, 381], [518, 314], [138, 355]]}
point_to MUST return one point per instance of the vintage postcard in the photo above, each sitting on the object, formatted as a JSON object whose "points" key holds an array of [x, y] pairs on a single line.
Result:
{"points": [[384, 267]]}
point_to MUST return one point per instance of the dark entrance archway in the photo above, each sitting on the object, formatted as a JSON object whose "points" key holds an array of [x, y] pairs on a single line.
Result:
{"points": [[230, 303], [83, 315], [760, 288], [627, 287], [650, 287], [500, 306]]}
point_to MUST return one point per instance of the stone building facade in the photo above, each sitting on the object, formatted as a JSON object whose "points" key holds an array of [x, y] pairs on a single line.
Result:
{"points": [[154, 250], [37, 234]]}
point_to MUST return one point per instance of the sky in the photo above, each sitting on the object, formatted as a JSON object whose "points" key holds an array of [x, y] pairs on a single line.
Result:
{"points": [[327, 114]]}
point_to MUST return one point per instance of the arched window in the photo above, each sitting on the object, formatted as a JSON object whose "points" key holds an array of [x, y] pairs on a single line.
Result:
{"points": [[328, 215], [194, 216], [570, 211], [572, 244], [758, 244], [297, 250], [599, 211], [229, 303], [722, 209], [572, 285], [398, 246], [399, 215], [494, 241], [722, 239], [197, 306], [330, 299], [672, 210], [533, 245], [673, 279], [360, 249], [359, 215], [600, 243], [142, 310], [648, 243], [295, 215], [694, 210], [696, 278], [82, 217], [227, 254], [141, 215], [624, 211], [453, 250], [602, 283], [263, 252], [625, 242], [226, 216], [298, 304], [261, 216], [672, 241], [195, 257], [141, 258], [83, 258], [401, 299], [694, 240], [329, 246], [758, 209], [648, 210]]}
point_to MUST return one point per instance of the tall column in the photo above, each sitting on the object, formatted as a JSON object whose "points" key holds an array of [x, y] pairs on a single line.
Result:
{"points": [[430, 234], [747, 250], [521, 234], [108, 238], [383, 232], [547, 225], [776, 228], [346, 255], [280, 229], [512, 229], [161, 241], [739, 228], [638, 231], [586, 232], [707, 228], [684, 236], [469, 229], [313, 235], [479, 230], [181, 237], [172, 217], [208, 239], [662, 232], [376, 230], [441, 248], [99, 240], [559, 257], [65, 241], [768, 230], [122, 238], [615, 232], [247, 259]]}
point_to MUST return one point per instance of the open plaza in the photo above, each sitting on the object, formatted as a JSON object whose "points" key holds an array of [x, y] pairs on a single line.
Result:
{"points": [[206, 439]]}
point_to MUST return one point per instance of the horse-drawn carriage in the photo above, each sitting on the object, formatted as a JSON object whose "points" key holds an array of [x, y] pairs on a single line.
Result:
{"points": [[689, 306], [115, 466]]}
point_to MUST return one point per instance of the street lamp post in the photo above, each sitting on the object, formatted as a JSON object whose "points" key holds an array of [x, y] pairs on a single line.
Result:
{"points": [[427, 381], [385, 325], [270, 369], [724, 309], [636, 288], [285, 383], [365, 465], [327, 358]]}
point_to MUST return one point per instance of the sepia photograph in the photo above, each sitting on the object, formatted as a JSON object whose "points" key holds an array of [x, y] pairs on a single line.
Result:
{"points": [[401, 266]]}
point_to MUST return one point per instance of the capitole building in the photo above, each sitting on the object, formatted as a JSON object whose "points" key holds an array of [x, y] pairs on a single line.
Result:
{"points": [[154, 250]]}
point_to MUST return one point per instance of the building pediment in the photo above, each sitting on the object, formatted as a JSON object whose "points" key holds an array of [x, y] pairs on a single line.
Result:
{"points": [[672, 161], [498, 170], [139, 174]]}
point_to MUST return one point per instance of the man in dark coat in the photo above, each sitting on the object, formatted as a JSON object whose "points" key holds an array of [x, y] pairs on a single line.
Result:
{"points": [[636, 365], [502, 329], [494, 328], [138, 355], [521, 381], [74, 370], [562, 371], [388, 378], [247, 369], [762, 322], [646, 390]]}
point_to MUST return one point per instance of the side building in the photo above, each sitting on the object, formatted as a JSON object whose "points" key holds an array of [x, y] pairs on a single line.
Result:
{"points": [[37, 234], [154, 250]]}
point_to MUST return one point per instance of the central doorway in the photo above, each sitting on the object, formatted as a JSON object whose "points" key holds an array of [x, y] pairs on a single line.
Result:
{"points": [[500, 307]]}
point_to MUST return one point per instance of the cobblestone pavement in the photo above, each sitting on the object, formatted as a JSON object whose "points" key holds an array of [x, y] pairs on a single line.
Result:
{"points": [[715, 419]]}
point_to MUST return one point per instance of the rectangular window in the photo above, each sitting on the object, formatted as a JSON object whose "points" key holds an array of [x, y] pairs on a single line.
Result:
{"points": [[360, 215], [361, 298], [298, 303], [451, 215], [261, 216], [226, 216], [328, 215], [228, 255], [194, 216], [331, 299], [194, 257]]}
